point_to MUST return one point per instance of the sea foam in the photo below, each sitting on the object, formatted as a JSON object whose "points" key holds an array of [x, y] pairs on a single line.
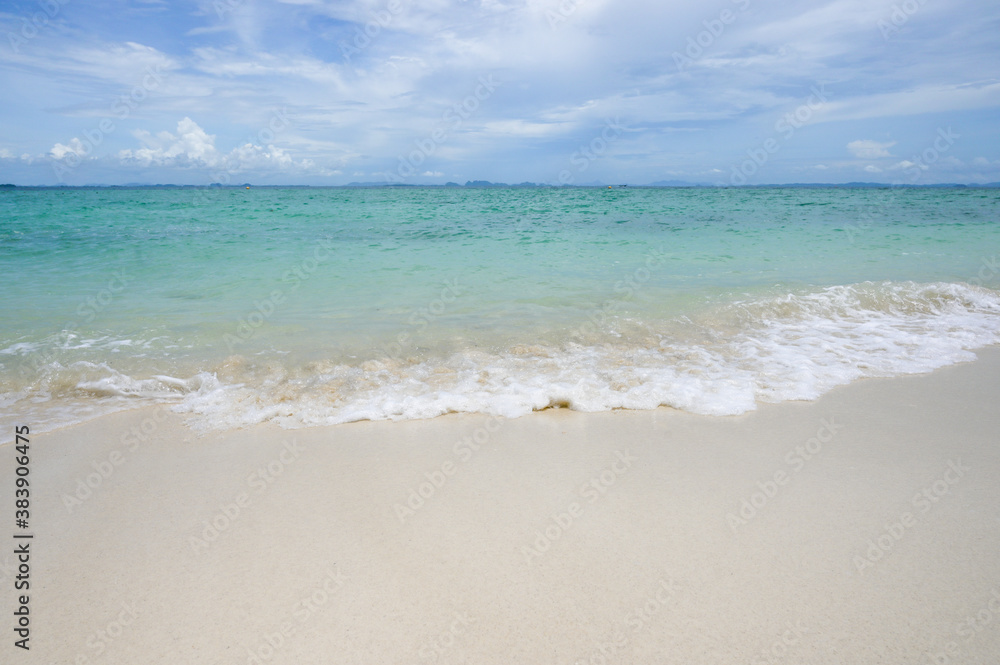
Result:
{"points": [[722, 360], [792, 347]]}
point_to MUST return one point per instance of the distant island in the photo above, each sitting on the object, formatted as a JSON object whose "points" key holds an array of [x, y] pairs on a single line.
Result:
{"points": [[474, 184]]}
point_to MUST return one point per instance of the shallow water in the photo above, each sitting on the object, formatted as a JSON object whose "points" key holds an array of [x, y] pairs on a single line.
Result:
{"points": [[316, 306]]}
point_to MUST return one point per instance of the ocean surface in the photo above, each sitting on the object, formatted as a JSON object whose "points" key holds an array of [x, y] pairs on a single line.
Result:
{"points": [[306, 307]]}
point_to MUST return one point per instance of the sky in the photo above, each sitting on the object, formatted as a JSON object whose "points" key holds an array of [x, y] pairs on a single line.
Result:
{"points": [[329, 92]]}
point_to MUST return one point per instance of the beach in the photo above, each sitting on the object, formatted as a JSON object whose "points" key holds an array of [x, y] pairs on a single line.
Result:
{"points": [[500, 333], [859, 527], [301, 307]]}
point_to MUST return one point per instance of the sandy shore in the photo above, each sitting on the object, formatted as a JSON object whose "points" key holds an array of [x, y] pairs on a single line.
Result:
{"points": [[861, 528]]}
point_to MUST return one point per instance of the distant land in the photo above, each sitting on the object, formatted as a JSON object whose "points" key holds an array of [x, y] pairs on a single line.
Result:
{"points": [[473, 184]]}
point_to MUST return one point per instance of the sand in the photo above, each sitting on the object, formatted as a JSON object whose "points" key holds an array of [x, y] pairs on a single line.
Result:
{"points": [[860, 528]]}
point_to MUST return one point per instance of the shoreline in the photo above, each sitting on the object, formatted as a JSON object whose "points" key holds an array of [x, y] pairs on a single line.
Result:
{"points": [[860, 527]]}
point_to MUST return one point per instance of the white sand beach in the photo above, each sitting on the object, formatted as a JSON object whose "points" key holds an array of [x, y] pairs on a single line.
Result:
{"points": [[860, 528]]}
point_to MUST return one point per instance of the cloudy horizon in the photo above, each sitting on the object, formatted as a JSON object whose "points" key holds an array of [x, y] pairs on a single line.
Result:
{"points": [[309, 92]]}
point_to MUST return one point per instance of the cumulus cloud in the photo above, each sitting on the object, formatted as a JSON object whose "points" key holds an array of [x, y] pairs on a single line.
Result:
{"points": [[867, 149], [6, 154], [363, 79], [74, 147], [192, 146]]}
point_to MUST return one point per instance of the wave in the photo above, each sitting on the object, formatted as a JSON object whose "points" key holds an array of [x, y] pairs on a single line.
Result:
{"points": [[724, 360]]}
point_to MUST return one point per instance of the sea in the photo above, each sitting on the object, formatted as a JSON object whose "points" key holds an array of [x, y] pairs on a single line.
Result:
{"points": [[315, 306]]}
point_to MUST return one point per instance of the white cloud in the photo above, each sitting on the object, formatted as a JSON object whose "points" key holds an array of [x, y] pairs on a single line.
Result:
{"points": [[432, 174], [917, 100], [873, 169], [528, 129], [75, 147], [192, 146], [867, 149], [249, 157], [358, 111]]}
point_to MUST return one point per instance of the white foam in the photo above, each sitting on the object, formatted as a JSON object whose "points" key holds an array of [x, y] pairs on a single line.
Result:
{"points": [[793, 347], [20, 349], [789, 347]]}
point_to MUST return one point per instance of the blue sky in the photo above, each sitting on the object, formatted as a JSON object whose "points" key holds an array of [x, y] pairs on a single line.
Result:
{"points": [[573, 91]]}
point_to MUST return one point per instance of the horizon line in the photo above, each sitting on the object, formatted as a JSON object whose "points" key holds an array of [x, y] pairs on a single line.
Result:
{"points": [[480, 184]]}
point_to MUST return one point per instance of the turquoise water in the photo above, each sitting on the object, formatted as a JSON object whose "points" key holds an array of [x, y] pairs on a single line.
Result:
{"points": [[313, 306]]}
